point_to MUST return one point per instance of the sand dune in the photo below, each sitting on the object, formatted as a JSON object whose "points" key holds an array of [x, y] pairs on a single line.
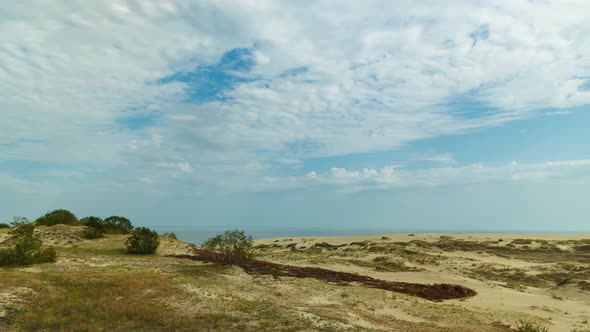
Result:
{"points": [[540, 277]]}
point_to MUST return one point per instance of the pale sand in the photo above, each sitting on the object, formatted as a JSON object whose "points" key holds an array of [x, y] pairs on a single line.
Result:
{"points": [[430, 237], [563, 308]]}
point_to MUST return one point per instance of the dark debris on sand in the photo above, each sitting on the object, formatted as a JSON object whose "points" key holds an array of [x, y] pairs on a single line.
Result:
{"points": [[432, 292]]}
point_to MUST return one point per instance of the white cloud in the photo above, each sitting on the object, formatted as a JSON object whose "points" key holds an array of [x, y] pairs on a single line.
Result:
{"points": [[443, 158], [390, 177], [311, 175], [177, 167]]}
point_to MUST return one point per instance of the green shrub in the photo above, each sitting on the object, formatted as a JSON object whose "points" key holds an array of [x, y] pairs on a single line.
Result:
{"points": [[170, 235], [91, 233], [362, 244], [117, 225], [522, 241], [27, 249], [22, 227], [95, 227], [18, 221], [235, 246], [112, 225], [328, 246], [527, 326], [57, 217], [93, 222], [3, 225], [143, 241]]}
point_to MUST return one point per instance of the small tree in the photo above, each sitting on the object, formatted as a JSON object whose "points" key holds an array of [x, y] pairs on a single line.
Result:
{"points": [[18, 221], [27, 249], [235, 246], [57, 217], [143, 241], [3, 225], [117, 225], [92, 233], [93, 222]]}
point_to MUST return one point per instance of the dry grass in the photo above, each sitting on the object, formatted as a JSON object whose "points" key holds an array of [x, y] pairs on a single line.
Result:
{"points": [[138, 301], [107, 301], [97, 287], [514, 278]]}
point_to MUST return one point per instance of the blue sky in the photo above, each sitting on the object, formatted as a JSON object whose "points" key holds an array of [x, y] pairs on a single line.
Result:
{"points": [[380, 114]]}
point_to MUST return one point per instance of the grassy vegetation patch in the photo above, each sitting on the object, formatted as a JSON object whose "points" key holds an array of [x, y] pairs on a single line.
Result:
{"points": [[83, 251], [514, 278], [108, 301], [528, 326], [518, 278], [118, 300], [361, 244], [207, 270], [382, 263], [328, 246], [130, 302], [522, 241], [544, 251], [584, 248]]}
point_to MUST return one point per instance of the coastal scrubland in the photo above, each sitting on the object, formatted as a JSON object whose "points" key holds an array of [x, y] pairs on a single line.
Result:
{"points": [[521, 281]]}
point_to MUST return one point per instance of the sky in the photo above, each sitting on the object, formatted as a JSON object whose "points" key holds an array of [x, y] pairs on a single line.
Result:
{"points": [[399, 115]]}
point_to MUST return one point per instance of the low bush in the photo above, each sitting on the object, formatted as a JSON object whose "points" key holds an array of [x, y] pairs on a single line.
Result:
{"points": [[170, 235], [143, 241], [117, 225], [527, 326], [328, 246], [95, 227], [93, 222], [57, 217], [91, 233], [18, 221], [235, 246], [26, 250], [3, 225]]}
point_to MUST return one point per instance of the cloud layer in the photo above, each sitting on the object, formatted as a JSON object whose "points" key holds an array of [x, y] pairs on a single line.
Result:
{"points": [[398, 176], [215, 94]]}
